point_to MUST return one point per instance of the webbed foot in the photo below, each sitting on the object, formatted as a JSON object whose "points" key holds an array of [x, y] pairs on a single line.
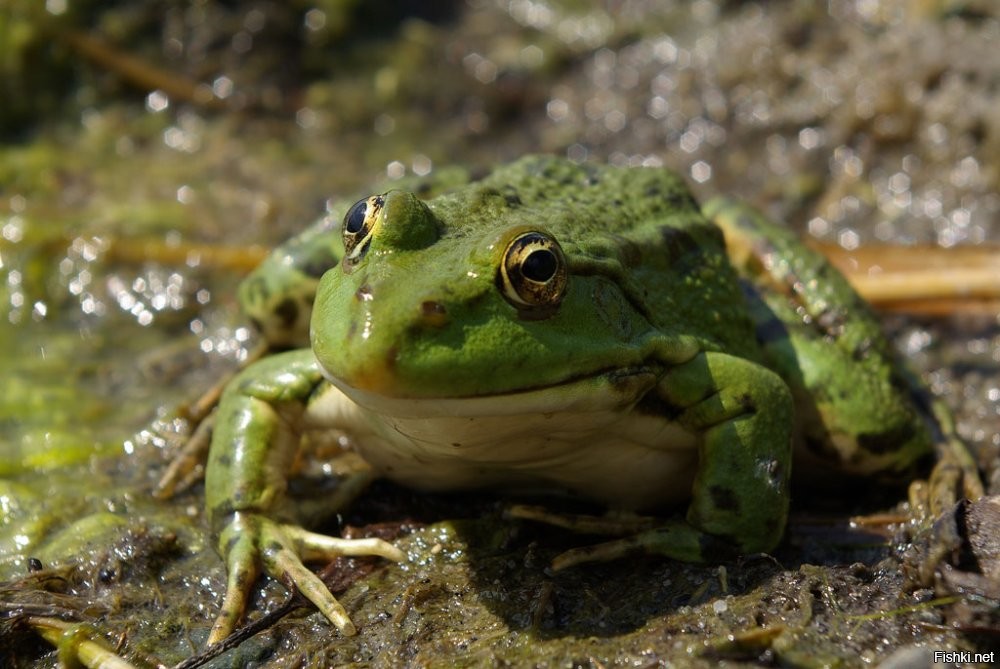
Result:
{"points": [[251, 542]]}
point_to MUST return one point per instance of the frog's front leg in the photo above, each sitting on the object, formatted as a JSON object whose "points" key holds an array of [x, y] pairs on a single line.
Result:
{"points": [[739, 498], [255, 442]]}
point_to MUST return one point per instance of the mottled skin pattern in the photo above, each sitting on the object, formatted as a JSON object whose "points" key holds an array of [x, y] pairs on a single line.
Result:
{"points": [[854, 406], [574, 329]]}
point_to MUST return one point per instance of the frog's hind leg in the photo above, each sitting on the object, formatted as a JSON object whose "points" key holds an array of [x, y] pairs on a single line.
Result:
{"points": [[860, 410]]}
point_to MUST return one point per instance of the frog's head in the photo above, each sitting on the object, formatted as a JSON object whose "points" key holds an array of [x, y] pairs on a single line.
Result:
{"points": [[471, 294]]}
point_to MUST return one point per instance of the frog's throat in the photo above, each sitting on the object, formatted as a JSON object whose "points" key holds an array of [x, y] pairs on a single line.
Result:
{"points": [[618, 388]]}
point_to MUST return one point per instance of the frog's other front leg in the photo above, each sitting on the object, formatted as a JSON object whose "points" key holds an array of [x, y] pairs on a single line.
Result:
{"points": [[254, 445], [739, 498]]}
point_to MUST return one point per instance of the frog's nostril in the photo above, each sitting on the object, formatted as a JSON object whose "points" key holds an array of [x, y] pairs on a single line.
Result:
{"points": [[433, 313]]}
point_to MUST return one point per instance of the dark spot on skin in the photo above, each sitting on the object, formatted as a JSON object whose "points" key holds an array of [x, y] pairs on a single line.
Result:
{"points": [[433, 313], [628, 251], [390, 358], [230, 544], [724, 498], [430, 308], [681, 199], [678, 242], [225, 460], [888, 441], [512, 197], [272, 547], [287, 311], [455, 444], [746, 401]]}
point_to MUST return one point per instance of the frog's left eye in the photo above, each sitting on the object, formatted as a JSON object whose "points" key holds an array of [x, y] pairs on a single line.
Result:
{"points": [[533, 273], [358, 226]]}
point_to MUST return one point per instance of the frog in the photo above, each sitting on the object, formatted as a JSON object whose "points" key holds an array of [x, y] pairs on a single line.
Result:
{"points": [[552, 328]]}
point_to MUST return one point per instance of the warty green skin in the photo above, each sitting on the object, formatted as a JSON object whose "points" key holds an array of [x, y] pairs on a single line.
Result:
{"points": [[671, 350]]}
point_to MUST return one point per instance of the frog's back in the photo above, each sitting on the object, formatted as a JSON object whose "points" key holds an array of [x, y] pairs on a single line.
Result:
{"points": [[641, 225]]}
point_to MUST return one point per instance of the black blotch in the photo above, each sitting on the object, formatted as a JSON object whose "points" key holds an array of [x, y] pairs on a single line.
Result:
{"points": [[288, 311], [724, 498], [512, 197], [390, 358], [681, 199], [746, 401], [628, 251], [677, 242], [432, 308], [229, 546]]}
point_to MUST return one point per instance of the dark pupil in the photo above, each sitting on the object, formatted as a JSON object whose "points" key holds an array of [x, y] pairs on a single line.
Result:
{"points": [[355, 219], [539, 266]]}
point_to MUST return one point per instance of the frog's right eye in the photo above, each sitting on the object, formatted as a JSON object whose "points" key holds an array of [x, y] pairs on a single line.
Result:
{"points": [[358, 226], [533, 275]]}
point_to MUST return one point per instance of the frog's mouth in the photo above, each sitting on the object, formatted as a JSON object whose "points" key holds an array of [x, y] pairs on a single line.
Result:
{"points": [[618, 388]]}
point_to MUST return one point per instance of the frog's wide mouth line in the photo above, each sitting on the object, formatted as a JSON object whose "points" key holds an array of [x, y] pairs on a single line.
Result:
{"points": [[598, 391]]}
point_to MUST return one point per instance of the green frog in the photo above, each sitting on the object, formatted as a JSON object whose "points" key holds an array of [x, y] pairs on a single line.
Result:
{"points": [[559, 329]]}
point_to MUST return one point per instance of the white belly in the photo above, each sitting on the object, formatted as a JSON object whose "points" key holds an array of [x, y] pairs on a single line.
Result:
{"points": [[583, 439]]}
